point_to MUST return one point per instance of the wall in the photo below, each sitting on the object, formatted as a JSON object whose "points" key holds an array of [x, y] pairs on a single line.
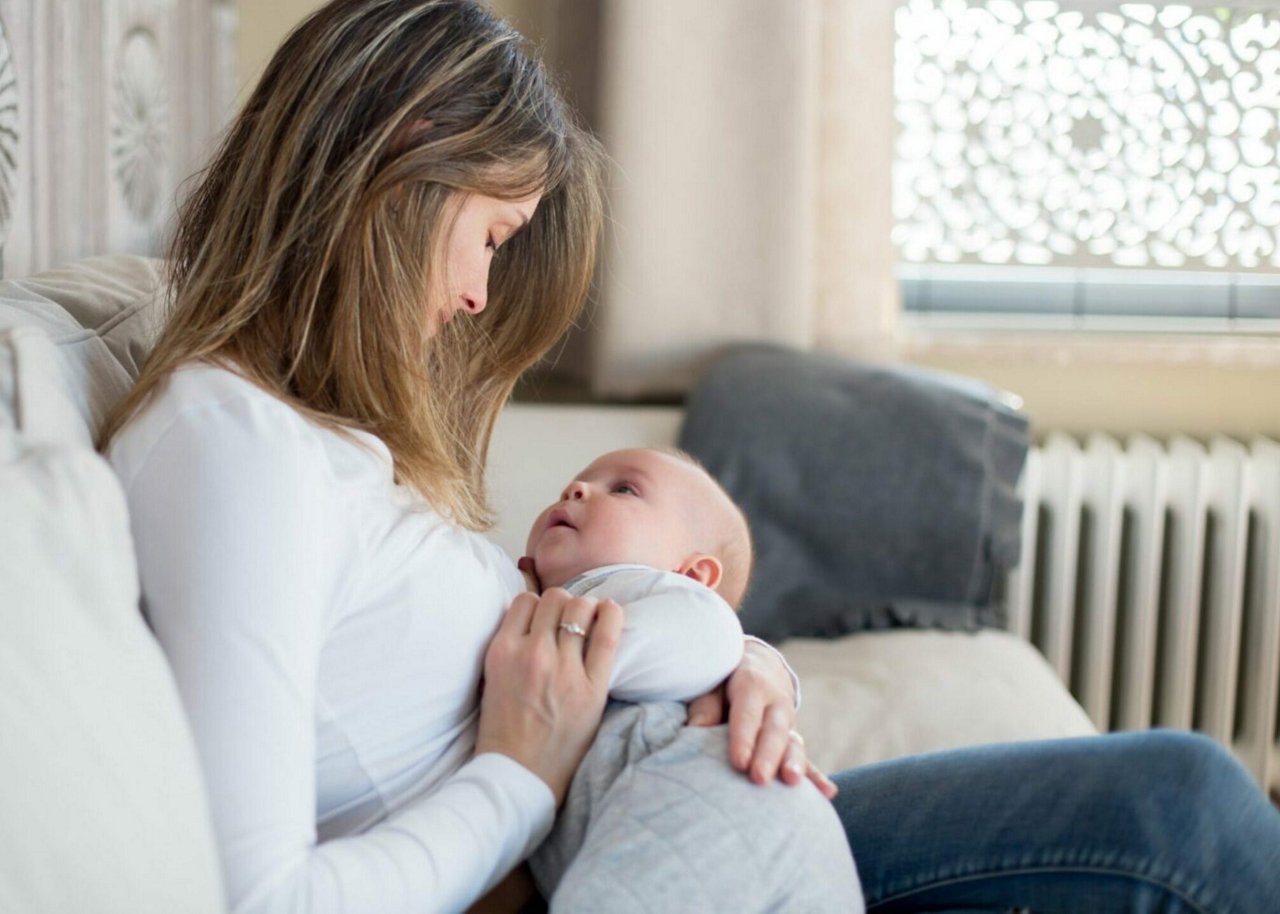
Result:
{"points": [[1201, 395], [265, 23], [1157, 397], [104, 109]]}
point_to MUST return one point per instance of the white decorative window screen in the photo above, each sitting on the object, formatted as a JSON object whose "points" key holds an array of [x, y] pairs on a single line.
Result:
{"points": [[1061, 157]]}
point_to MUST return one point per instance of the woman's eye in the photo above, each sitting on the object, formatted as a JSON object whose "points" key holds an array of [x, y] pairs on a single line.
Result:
{"points": [[491, 244]]}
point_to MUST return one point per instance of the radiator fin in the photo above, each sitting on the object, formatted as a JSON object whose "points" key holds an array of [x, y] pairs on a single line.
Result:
{"points": [[1150, 580]]}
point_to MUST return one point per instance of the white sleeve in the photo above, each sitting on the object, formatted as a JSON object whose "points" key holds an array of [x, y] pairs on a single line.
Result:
{"points": [[243, 555], [680, 639]]}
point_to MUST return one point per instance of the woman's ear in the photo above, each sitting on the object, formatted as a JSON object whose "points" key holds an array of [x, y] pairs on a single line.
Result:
{"points": [[705, 569]]}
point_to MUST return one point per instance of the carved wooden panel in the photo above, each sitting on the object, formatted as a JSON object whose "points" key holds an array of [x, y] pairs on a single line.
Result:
{"points": [[105, 107]]}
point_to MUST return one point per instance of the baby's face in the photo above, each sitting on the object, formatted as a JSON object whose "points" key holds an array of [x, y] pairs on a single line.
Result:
{"points": [[635, 506]]}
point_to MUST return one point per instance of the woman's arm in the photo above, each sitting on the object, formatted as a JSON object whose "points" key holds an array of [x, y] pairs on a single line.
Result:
{"points": [[243, 555]]}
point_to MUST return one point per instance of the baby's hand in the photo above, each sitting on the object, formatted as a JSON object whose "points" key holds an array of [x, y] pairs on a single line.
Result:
{"points": [[526, 566]]}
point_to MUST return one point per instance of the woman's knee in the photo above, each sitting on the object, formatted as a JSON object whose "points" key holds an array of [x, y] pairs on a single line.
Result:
{"points": [[1194, 757], [1189, 769]]}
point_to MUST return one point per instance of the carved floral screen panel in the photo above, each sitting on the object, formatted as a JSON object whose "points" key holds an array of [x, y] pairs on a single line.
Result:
{"points": [[105, 107], [1087, 149]]}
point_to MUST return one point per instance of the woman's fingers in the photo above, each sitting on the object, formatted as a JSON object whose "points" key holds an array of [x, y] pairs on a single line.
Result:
{"points": [[707, 710], [825, 785], [771, 744], [746, 713], [795, 761], [577, 617], [796, 768], [546, 617], [543, 697], [519, 614], [602, 644]]}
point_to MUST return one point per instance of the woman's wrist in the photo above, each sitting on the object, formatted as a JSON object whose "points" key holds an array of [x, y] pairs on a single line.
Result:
{"points": [[763, 650], [547, 770]]}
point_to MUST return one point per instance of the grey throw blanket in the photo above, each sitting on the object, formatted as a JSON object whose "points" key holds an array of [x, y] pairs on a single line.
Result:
{"points": [[879, 496], [657, 822]]}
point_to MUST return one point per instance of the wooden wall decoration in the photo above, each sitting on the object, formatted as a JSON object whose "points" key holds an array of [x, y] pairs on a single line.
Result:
{"points": [[106, 106]]}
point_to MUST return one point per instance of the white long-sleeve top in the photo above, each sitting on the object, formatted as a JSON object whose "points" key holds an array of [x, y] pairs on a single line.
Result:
{"points": [[326, 631]]}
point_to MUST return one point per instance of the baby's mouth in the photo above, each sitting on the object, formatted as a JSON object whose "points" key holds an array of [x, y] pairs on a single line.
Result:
{"points": [[560, 518]]}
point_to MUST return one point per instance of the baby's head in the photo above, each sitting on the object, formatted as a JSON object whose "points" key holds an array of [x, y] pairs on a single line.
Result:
{"points": [[647, 507]]}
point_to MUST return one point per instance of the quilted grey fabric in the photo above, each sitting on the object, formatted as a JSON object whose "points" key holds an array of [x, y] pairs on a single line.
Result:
{"points": [[658, 822]]}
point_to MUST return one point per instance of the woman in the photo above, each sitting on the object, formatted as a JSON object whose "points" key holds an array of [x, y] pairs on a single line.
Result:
{"points": [[402, 220], [303, 456]]}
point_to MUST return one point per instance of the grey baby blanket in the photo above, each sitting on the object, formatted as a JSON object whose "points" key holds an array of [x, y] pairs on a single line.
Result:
{"points": [[657, 822]]}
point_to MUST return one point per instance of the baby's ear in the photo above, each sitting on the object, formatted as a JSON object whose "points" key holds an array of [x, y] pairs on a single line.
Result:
{"points": [[705, 569]]}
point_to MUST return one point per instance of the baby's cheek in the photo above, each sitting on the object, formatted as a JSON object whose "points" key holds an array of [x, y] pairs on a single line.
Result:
{"points": [[531, 543]]}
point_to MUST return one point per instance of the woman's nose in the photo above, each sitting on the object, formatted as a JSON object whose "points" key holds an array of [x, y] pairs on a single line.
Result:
{"points": [[473, 302], [473, 291]]}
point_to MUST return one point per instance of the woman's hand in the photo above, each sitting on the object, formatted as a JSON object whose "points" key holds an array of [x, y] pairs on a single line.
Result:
{"points": [[545, 687], [761, 700]]}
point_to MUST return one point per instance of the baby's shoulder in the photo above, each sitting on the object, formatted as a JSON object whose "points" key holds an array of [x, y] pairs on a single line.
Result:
{"points": [[635, 582]]}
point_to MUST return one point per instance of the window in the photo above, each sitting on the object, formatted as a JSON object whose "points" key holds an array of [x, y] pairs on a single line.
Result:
{"points": [[1089, 164]]}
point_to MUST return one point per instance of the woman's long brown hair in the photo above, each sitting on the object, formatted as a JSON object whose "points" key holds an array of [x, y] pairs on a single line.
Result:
{"points": [[307, 254]]}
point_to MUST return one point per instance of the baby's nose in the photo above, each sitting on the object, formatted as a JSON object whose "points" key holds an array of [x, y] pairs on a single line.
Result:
{"points": [[576, 491]]}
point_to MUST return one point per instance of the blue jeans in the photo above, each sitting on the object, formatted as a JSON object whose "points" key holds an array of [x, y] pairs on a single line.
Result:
{"points": [[1145, 822]]}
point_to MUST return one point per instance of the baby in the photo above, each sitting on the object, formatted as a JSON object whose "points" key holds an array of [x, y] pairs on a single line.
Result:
{"points": [[653, 531], [656, 818]]}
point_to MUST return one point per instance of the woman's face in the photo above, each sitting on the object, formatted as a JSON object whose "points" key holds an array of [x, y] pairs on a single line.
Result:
{"points": [[483, 225]]}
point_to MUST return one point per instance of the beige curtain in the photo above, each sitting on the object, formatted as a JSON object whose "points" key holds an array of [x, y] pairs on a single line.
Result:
{"points": [[750, 198]]}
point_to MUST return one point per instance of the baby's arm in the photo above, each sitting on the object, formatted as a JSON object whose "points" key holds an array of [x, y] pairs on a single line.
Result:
{"points": [[532, 583], [680, 639]]}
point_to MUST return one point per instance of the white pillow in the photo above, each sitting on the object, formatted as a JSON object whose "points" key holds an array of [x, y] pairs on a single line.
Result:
{"points": [[102, 807], [33, 389]]}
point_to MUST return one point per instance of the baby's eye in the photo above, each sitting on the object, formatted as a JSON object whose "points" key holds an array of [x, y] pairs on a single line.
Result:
{"points": [[624, 488]]}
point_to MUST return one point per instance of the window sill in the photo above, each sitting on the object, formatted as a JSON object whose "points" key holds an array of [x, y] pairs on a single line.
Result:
{"points": [[926, 338]]}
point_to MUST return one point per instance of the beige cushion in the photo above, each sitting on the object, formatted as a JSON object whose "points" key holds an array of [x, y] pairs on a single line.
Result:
{"points": [[102, 807], [101, 314], [882, 695]]}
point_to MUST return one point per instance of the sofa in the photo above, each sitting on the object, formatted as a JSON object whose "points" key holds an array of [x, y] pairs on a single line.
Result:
{"points": [[101, 803]]}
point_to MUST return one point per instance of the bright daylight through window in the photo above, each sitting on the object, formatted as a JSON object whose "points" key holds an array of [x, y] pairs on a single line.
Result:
{"points": [[1091, 161]]}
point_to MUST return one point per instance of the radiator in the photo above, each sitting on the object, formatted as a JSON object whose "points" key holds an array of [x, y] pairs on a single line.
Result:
{"points": [[1150, 579]]}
